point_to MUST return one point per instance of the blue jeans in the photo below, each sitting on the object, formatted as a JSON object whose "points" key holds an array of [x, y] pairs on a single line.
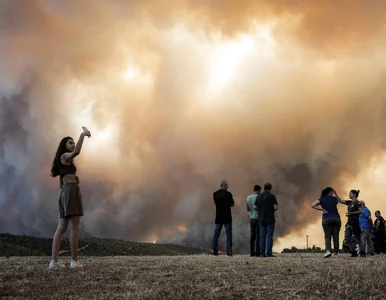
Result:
{"points": [[266, 239], [216, 235]]}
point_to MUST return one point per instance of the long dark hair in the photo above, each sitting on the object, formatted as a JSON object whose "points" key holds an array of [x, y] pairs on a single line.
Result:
{"points": [[355, 192], [325, 192], [62, 148]]}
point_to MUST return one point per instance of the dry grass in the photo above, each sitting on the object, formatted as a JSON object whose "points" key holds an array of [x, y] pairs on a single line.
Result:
{"points": [[197, 277]]}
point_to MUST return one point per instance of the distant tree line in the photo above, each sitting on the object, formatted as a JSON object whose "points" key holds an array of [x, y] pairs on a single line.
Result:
{"points": [[293, 249]]}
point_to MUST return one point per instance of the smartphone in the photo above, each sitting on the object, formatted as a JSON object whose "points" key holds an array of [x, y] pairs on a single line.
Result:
{"points": [[85, 128]]}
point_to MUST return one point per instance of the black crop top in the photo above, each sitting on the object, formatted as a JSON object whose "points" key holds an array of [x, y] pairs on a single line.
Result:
{"points": [[66, 170]]}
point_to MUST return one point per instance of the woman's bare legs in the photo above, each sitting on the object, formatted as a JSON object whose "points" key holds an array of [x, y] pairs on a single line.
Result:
{"points": [[60, 230], [74, 236]]}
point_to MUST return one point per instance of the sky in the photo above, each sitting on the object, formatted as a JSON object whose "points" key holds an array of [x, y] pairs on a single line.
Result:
{"points": [[181, 95]]}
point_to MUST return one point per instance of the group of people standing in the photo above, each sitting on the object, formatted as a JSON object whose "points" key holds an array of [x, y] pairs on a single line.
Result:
{"points": [[261, 208], [359, 227]]}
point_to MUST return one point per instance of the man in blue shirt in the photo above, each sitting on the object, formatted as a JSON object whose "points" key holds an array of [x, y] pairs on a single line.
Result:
{"points": [[366, 224]]}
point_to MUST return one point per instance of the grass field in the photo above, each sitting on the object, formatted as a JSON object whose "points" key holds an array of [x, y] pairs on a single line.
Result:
{"points": [[287, 276]]}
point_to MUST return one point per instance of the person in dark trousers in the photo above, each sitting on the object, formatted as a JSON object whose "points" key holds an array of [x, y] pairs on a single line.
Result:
{"points": [[366, 224], [254, 240], [352, 233], [379, 233], [266, 205], [223, 200], [330, 219]]}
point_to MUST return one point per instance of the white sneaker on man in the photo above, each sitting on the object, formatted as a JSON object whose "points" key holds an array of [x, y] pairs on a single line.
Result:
{"points": [[327, 254], [75, 264], [56, 265]]}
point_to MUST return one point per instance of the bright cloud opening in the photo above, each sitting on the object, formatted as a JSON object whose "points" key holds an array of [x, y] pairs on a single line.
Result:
{"points": [[130, 73], [105, 136], [135, 75], [225, 59]]}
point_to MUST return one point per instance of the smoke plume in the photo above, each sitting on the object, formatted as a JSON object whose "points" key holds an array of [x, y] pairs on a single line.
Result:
{"points": [[180, 96]]}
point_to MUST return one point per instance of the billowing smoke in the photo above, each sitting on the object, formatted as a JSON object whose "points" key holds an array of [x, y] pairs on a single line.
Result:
{"points": [[178, 98]]}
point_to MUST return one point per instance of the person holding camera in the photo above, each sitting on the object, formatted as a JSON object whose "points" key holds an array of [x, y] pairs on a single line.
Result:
{"points": [[70, 198]]}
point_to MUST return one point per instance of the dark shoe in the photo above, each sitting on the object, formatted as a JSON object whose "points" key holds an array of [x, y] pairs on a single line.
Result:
{"points": [[363, 254]]}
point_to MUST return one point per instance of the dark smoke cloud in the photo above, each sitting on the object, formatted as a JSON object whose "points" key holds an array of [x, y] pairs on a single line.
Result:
{"points": [[305, 112]]}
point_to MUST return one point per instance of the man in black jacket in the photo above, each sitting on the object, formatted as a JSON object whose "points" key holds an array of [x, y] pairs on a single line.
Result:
{"points": [[266, 204], [223, 201], [379, 232]]}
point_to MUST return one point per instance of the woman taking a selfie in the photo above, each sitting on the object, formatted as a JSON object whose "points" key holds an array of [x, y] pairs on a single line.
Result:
{"points": [[70, 199]]}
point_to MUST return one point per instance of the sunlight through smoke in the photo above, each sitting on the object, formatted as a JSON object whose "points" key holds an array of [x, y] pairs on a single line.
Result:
{"points": [[135, 76], [225, 59], [131, 73]]}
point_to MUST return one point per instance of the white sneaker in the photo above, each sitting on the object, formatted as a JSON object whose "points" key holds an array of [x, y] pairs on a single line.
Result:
{"points": [[327, 254], [56, 265], [75, 264]]}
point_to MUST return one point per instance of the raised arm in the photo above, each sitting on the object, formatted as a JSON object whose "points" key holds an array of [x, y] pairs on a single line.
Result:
{"points": [[78, 147], [316, 204], [337, 197]]}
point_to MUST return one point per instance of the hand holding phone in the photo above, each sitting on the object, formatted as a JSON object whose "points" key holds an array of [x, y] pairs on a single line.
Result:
{"points": [[86, 131]]}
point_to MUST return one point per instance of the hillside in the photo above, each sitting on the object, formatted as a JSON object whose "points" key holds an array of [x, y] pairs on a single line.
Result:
{"points": [[15, 245]]}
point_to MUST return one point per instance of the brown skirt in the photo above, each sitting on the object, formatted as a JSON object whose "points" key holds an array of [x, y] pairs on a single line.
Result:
{"points": [[70, 201]]}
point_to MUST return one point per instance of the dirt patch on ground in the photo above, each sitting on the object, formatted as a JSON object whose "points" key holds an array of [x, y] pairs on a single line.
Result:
{"points": [[197, 277]]}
